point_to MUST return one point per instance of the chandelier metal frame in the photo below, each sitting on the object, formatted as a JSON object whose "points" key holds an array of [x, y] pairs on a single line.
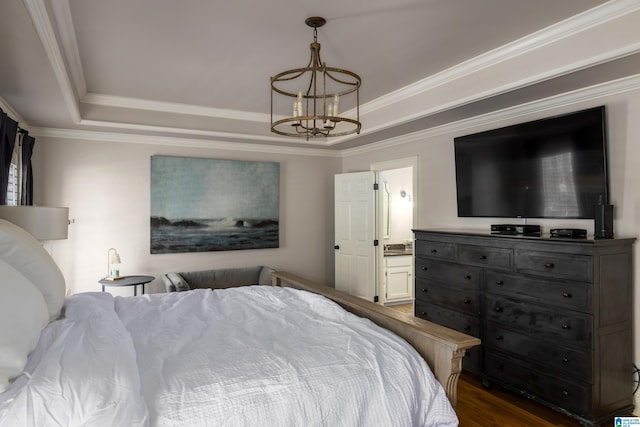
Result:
{"points": [[315, 110]]}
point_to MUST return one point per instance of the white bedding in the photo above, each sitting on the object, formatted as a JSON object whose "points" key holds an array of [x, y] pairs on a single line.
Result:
{"points": [[249, 356]]}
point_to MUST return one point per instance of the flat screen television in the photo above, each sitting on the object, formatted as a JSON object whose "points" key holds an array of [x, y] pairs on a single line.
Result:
{"points": [[550, 168]]}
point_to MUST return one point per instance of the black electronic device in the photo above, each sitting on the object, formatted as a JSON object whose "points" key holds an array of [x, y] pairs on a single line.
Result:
{"points": [[603, 228], [571, 233], [526, 229], [550, 168]]}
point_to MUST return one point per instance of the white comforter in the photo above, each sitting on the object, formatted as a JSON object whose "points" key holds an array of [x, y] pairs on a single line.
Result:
{"points": [[250, 356]]}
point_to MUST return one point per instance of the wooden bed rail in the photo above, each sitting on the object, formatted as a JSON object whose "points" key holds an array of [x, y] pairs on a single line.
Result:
{"points": [[442, 348]]}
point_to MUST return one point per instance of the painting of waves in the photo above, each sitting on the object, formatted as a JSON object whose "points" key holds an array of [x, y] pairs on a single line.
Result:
{"points": [[200, 205]]}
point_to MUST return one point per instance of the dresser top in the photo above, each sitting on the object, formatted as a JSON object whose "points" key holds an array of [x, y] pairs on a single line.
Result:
{"points": [[519, 237]]}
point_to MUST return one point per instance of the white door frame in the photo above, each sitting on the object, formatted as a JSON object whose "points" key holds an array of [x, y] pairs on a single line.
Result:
{"points": [[377, 168]]}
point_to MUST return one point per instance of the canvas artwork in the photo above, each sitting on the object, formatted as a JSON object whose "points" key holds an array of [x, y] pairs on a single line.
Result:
{"points": [[200, 205]]}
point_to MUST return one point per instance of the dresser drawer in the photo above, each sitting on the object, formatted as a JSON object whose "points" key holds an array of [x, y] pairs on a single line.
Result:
{"points": [[439, 250], [482, 255], [467, 324], [464, 276], [565, 326], [462, 300], [566, 394], [557, 265], [562, 294], [572, 363]]}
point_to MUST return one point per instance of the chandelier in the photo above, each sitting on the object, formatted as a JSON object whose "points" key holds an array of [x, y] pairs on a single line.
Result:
{"points": [[315, 97]]}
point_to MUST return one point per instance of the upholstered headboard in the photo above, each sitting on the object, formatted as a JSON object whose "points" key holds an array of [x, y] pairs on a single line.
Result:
{"points": [[32, 292]]}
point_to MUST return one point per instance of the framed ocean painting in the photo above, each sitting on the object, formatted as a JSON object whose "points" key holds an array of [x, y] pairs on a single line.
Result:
{"points": [[200, 205]]}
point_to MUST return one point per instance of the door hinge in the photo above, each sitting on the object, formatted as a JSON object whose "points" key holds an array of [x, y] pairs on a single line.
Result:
{"points": [[375, 242], [375, 185], [375, 299]]}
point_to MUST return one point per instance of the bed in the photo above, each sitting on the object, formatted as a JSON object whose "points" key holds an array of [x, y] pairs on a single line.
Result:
{"points": [[253, 355]]}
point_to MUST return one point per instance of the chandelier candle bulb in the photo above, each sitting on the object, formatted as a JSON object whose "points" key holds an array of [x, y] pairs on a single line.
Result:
{"points": [[335, 105]]}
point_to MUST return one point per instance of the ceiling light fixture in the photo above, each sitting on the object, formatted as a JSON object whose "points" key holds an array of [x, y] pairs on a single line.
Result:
{"points": [[316, 95]]}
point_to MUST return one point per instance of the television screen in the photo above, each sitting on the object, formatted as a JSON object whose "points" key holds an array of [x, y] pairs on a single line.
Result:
{"points": [[549, 168]]}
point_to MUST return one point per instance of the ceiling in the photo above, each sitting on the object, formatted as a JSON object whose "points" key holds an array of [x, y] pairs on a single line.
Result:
{"points": [[201, 68]]}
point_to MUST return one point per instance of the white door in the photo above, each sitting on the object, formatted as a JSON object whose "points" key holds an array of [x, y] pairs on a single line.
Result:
{"points": [[355, 253]]}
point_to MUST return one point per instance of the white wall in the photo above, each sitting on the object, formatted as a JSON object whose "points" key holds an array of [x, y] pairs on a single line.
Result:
{"points": [[437, 188], [106, 186]]}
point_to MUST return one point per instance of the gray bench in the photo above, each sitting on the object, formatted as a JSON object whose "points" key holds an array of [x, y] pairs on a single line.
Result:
{"points": [[217, 278]]}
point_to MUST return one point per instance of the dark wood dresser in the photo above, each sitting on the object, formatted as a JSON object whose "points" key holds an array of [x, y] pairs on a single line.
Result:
{"points": [[554, 314]]}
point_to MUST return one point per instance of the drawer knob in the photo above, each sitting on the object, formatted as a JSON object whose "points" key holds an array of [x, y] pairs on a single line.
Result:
{"points": [[467, 301], [499, 282], [565, 393], [467, 328], [499, 309], [499, 366], [499, 338], [548, 265], [565, 326], [565, 359], [434, 251], [566, 295], [425, 268], [425, 290], [467, 276], [423, 313], [483, 257]]}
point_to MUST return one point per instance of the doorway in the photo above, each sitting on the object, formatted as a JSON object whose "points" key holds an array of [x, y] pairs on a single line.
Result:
{"points": [[396, 218]]}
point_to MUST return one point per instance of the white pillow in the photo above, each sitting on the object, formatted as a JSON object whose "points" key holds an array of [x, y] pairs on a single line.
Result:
{"points": [[23, 315], [23, 252]]}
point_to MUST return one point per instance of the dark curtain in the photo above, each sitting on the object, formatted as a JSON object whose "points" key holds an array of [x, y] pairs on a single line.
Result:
{"points": [[28, 142], [8, 130]]}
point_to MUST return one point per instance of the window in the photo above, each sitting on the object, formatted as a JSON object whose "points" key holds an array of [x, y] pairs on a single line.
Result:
{"points": [[12, 188], [14, 185]]}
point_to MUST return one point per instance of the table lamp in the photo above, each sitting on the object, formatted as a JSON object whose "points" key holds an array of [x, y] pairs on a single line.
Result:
{"points": [[113, 258]]}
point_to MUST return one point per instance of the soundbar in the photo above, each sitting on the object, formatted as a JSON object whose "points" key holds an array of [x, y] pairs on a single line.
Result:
{"points": [[527, 229], [572, 233]]}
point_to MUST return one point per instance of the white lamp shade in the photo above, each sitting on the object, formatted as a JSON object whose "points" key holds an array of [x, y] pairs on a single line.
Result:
{"points": [[44, 223]]}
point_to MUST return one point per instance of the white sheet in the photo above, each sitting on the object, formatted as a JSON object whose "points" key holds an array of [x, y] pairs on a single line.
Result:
{"points": [[236, 357]]}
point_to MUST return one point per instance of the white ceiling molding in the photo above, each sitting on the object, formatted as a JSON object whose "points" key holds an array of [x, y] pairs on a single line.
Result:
{"points": [[126, 138], [38, 12], [12, 113], [571, 26], [197, 132], [511, 86], [578, 96], [172, 107], [623, 85], [62, 14], [72, 80]]}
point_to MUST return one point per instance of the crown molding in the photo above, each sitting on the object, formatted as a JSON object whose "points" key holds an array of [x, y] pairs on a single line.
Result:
{"points": [[40, 18], [591, 18], [236, 137], [125, 138], [12, 113], [74, 76], [591, 93], [62, 13], [172, 107]]}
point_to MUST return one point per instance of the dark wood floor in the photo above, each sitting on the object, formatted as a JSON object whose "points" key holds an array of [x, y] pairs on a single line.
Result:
{"points": [[480, 407]]}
